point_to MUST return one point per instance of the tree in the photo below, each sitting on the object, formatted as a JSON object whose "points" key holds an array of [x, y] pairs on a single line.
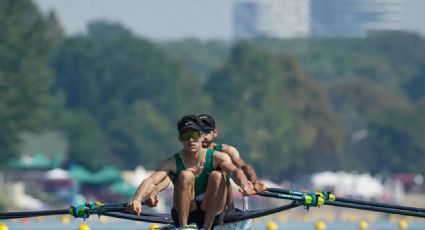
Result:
{"points": [[122, 82], [415, 87], [88, 144], [273, 112], [27, 40], [395, 142], [383, 128]]}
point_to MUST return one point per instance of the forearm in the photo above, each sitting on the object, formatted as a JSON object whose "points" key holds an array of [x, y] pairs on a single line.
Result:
{"points": [[249, 172], [239, 177], [162, 185], [144, 189], [238, 162], [246, 168]]}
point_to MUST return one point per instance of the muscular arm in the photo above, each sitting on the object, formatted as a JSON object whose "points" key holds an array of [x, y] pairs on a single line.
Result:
{"points": [[225, 163], [153, 199], [238, 162], [231, 151], [162, 185], [150, 184]]}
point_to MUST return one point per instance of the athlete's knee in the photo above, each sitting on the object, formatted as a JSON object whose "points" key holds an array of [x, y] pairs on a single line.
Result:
{"points": [[186, 177], [216, 177]]}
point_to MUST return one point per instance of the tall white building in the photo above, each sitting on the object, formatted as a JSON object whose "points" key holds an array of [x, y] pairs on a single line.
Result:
{"points": [[353, 18], [271, 18]]}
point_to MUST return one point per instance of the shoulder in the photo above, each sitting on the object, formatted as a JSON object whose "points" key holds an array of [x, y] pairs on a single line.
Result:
{"points": [[221, 156], [232, 151], [168, 164]]}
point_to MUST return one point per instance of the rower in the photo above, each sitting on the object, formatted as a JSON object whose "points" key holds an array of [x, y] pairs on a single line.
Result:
{"points": [[199, 187], [210, 135]]}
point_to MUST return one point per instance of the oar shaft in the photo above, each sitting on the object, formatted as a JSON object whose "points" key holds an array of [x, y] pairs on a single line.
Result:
{"points": [[232, 217], [353, 201], [14, 215], [285, 191], [103, 210], [376, 209], [281, 196], [149, 219], [78, 211], [382, 205]]}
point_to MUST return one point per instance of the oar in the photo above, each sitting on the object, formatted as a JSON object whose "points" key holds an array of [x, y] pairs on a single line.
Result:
{"points": [[14, 215], [377, 204], [77, 211], [307, 199], [348, 203], [352, 201], [376, 209], [299, 198], [145, 217], [232, 217]]}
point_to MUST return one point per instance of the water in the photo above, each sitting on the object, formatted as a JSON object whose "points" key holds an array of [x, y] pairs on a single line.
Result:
{"points": [[131, 225]]}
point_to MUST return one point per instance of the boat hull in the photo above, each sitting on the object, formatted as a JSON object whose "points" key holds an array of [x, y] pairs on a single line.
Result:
{"points": [[239, 225]]}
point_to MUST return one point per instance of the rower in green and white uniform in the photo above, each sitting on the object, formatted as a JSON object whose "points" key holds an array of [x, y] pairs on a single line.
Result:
{"points": [[201, 180], [199, 186], [210, 135]]}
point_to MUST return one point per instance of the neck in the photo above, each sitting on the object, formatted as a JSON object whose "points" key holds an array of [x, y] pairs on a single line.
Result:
{"points": [[209, 146], [193, 156]]}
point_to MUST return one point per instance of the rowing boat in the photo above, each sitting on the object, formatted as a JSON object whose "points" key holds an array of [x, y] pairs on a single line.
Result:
{"points": [[237, 219]]}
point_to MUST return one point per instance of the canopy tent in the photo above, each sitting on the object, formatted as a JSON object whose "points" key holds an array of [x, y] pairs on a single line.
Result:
{"points": [[36, 161], [106, 175], [123, 188]]}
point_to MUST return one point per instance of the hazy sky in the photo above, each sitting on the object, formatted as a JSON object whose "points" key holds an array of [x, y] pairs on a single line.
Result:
{"points": [[175, 19]]}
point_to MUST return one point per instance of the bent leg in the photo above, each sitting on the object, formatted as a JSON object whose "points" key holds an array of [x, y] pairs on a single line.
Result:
{"points": [[229, 199], [214, 200], [184, 195]]}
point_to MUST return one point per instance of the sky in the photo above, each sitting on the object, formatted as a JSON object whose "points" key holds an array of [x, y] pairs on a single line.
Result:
{"points": [[175, 19]]}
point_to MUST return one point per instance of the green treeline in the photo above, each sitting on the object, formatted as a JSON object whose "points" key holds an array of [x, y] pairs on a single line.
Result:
{"points": [[289, 106]]}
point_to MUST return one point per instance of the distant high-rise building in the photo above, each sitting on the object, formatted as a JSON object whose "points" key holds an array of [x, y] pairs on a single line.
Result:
{"points": [[348, 18], [271, 18]]}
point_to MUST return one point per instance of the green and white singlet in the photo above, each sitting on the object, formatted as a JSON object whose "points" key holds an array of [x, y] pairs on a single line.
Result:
{"points": [[218, 147], [201, 180]]}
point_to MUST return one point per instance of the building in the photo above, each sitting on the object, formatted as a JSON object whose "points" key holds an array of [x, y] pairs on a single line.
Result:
{"points": [[271, 18], [354, 18]]}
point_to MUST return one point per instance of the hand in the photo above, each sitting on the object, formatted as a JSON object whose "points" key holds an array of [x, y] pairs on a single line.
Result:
{"points": [[134, 206], [247, 189], [259, 186], [196, 170], [152, 200]]}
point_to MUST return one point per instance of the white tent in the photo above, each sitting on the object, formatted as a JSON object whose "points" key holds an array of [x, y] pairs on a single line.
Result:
{"points": [[349, 184], [57, 174]]}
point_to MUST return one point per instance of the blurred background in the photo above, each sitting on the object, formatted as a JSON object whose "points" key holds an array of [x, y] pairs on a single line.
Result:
{"points": [[315, 94]]}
